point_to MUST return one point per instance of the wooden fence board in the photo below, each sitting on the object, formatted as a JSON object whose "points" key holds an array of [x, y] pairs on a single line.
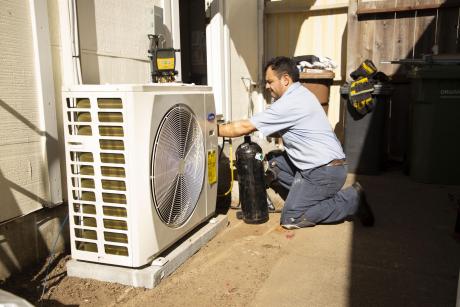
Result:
{"points": [[404, 33], [370, 5], [423, 2], [365, 40], [406, 2], [425, 32], [352, 37], [446, 33], [383, 42]]}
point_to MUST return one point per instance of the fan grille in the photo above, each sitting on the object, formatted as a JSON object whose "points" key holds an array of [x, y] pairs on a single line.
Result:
{"points": [[177, 166]]}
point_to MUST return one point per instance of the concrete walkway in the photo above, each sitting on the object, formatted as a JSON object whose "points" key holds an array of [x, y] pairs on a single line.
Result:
{"points": [[410, 258]]}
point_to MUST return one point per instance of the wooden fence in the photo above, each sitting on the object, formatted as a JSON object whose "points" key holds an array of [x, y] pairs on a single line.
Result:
{"points": [[400, 29]]}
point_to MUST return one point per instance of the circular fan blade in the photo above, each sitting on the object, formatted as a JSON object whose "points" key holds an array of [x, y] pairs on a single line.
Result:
{"points": [[178, 165]]}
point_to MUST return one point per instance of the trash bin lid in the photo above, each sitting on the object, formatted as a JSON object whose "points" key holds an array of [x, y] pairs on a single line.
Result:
{"points": [[435, 71]]}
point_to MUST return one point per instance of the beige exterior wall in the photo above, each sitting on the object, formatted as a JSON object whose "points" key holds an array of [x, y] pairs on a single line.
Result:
{"points": [[23, 170], [242, 21], [113, 39], [113, 43], [318, 28]]}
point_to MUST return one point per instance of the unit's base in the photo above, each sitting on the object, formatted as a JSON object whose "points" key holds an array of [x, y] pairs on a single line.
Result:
{"points": [[150, 276]]}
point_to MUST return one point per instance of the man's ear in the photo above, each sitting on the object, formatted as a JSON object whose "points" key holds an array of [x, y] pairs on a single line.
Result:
{"points": [[286, 79]]}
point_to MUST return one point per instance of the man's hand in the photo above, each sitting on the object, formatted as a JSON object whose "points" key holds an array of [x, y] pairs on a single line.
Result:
{"points": [[236, 128]]}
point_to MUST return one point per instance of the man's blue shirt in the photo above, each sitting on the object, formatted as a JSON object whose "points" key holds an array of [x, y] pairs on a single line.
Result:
{"points": [[307, 136]]}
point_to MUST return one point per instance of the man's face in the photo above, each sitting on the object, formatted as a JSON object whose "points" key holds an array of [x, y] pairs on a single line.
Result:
{"points": [[276, 86]]}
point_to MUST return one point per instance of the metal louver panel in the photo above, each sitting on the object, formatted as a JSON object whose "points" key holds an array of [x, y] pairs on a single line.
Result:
{"points": [[178, 166]]}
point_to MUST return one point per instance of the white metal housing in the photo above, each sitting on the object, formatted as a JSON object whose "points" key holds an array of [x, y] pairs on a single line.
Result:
{"points": [[110, 136]]}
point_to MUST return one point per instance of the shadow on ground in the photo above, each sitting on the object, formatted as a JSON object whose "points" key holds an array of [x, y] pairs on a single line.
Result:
{"points": [[412, 255], [34, 282]]}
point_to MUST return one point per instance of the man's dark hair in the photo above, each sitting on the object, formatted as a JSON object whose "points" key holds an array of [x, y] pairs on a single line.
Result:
{"points": [[283, 65]]}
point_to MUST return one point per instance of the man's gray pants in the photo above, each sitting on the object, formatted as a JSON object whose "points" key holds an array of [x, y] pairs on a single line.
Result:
{"points": [[314, 194]]}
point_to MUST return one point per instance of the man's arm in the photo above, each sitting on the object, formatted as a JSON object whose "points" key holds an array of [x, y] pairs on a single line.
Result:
{"points": [[236, 128]]}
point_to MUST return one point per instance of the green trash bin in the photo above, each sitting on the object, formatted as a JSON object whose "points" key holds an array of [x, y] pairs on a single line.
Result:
{"points": [[364, 134], [434, 149]]}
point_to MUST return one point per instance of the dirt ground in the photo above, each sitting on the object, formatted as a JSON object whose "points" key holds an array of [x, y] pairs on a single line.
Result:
{"points": [[226, 272], [209, 278]]}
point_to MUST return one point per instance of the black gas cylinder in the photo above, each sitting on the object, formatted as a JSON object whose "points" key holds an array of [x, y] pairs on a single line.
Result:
{"points": [[253, 195]]}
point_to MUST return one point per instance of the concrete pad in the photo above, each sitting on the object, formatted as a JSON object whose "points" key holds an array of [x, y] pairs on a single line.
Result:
{"points": [[150, 276]]}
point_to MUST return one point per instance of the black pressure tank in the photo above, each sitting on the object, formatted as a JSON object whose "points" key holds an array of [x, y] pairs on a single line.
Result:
{"points": [[253, 195]]}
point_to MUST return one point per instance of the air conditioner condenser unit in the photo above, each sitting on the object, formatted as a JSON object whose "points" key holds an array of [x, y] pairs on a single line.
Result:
{"points": [[141, 166]]}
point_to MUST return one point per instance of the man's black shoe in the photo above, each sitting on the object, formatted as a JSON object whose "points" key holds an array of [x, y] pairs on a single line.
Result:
{"points": [[364, 210]]}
